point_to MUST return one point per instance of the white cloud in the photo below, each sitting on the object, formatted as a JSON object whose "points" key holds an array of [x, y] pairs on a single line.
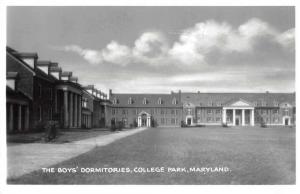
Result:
{"points": [[193, 47], [116, 53]]}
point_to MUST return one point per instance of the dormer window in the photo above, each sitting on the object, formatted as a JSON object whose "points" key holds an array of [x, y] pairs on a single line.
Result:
{"points": [[174, 101], [159, 101], [145, 101], [115, 101], [130, 101], [210, 103], [275, 103], [263, 103]]}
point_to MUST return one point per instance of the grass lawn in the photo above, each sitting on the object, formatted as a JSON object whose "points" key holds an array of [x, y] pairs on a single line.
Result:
{"points": [[253, 155], [64, 136]]}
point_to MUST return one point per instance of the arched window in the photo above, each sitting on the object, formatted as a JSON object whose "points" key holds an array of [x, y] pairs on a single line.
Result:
{"points": [[174, 101], [145, 101], [130, 101], [115, 101], [159, 101]]}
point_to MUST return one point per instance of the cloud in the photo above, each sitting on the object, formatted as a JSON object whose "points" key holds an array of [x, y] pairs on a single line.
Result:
{"points": [[116, 53], [195, 46]]}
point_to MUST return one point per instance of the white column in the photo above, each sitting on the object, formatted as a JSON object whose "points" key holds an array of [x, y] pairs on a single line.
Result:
{"points": [[26, 118], [243, 117], [233, 117], [11, 117], [66, 111], [75, 110], [20, 118], [71, 109], [252, 117], [148, 121], [224, 116], [139, 121], [79, 111]]}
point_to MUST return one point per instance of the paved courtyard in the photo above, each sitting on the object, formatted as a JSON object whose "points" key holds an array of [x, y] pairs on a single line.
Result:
{"points": [[208, 155]]}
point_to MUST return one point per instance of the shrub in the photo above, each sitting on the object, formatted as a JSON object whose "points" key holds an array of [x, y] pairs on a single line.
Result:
{"points": [[183, 124], [224, 125], [263, 124], [135, 124], [51, 130], [154, 123]]}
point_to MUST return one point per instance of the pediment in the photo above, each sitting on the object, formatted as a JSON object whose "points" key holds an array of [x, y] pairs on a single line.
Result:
{"points": [[240, 103]]}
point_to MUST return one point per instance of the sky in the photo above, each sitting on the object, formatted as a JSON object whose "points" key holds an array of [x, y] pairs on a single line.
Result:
{"points": [[163, 49]]}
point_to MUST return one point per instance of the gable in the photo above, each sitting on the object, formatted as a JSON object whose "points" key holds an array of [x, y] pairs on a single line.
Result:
{"points": [[241, 103]]}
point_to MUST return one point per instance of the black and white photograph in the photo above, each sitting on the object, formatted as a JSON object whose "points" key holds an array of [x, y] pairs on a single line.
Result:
{"points": [[150, 95]]}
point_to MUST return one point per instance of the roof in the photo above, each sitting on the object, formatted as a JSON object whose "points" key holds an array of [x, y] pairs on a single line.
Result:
{"points": [[11, 75], [220, 99], [152, 100]]}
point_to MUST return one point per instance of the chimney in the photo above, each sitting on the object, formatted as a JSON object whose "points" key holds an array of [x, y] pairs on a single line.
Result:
{"points": [[29, 58], [44, 66], [110, 93], [65, 75], [55, 71], [73, 79]]}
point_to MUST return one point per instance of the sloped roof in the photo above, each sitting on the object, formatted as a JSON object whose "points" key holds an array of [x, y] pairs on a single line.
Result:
{"points": [[221, 99], [152, 100]]}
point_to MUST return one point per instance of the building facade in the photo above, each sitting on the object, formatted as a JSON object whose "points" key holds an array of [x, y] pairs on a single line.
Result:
{"points": [[144, 109], [39, 91], [195, 109]]}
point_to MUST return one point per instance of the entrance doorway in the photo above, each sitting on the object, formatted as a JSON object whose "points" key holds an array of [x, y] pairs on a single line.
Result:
{"points": [[144, 120], [237, 121], [286, 121], [189, 121]]}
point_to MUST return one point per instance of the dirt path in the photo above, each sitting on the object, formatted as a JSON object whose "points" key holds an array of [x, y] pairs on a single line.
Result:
{"points": [[25, 158]]}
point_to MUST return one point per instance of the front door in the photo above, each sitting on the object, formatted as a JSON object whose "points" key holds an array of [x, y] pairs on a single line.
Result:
{"points": [[237, 121], [144, 120], [286, 121], [189, 121]]}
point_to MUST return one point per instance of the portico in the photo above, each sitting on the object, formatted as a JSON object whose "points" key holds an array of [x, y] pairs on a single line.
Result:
{"points": [[238, 113], [144, 119], [72, 111]]}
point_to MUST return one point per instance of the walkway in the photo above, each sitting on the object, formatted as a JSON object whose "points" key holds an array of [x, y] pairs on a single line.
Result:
{"points": [[26, 158]]}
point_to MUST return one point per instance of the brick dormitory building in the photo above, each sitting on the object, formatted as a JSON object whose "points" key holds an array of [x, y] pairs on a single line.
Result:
{"points": [[38, 91]]}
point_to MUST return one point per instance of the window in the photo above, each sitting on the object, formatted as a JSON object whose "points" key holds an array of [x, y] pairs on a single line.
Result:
{"points": [[130, 101], [174, 101], [209, 111], [115, 101], [275, 120], [113, 111], [198, 112], [189, 111], [145, 101], [152, 111], [40, 113], [218, 104], [218, 111], [50, 93], [134, 112], [124, 112], [264, 112], [209, 119], [275, 103], [210, 103], [263, 103], [286, 112], [40, 90], [172, 112], [218, 119], [176, 112], [173, 121], [124, 120], [159, 101], [162, 121], [275, 111], [161, 111]]}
